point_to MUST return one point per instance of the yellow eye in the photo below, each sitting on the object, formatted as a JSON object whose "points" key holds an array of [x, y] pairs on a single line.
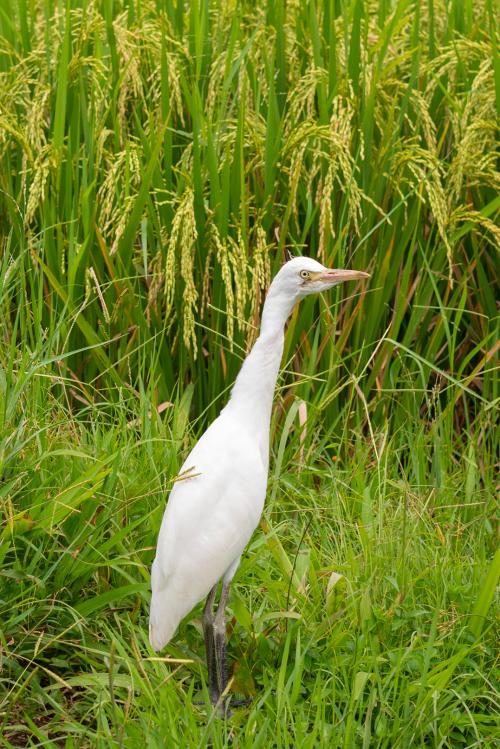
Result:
{"points": [[304, 274]]}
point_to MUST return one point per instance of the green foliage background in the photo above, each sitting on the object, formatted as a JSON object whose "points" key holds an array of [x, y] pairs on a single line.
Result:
{"points": [[157, 160]]}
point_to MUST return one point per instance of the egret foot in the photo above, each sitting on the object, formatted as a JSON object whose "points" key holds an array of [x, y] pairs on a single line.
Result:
{"points": [[230, 701], [243, 702]]}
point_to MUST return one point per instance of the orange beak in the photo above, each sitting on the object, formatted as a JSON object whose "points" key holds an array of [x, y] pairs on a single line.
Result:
{"points": [[337, 275]]}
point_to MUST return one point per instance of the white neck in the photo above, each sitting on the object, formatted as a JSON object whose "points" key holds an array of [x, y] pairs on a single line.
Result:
{"points": [[253, 391]]}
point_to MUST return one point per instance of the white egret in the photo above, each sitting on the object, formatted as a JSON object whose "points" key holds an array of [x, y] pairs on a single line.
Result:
{"points": [[212, 512]]}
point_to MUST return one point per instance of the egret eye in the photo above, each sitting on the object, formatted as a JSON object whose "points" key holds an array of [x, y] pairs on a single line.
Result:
{"points": [[304, 274]]}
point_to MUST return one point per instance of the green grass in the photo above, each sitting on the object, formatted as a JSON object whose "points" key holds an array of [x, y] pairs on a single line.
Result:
{"points": [[382, 636], [156, 161]]}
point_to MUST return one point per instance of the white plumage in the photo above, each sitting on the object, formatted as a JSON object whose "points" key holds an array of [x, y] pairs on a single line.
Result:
{"points": [[207, 523], [216, 504]]}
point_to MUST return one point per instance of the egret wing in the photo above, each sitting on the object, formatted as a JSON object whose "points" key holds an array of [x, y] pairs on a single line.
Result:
{"points": [[210, 516]]}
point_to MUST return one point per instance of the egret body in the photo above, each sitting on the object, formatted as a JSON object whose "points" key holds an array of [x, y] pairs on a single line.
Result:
{"points": [[213, 511]]}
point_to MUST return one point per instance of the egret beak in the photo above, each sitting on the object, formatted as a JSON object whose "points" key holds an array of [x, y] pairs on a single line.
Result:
{"points": [[336, 275]]}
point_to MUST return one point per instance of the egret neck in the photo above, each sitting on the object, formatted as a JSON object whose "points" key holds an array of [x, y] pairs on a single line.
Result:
{"points": [[253, 390]]}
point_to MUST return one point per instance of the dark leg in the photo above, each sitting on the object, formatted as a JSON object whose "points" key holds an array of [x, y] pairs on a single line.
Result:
{"points": [[209, 635], [219, 629]]}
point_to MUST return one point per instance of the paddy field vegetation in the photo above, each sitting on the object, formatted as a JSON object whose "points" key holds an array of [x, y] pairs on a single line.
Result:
{"points": [[158, 160]]}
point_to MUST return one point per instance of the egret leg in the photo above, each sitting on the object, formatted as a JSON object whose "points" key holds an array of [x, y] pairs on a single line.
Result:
{"points": [[208, 633], [219, 628]]}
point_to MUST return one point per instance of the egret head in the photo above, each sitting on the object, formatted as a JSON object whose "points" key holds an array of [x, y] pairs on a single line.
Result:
{"points": [[303, 275]]}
